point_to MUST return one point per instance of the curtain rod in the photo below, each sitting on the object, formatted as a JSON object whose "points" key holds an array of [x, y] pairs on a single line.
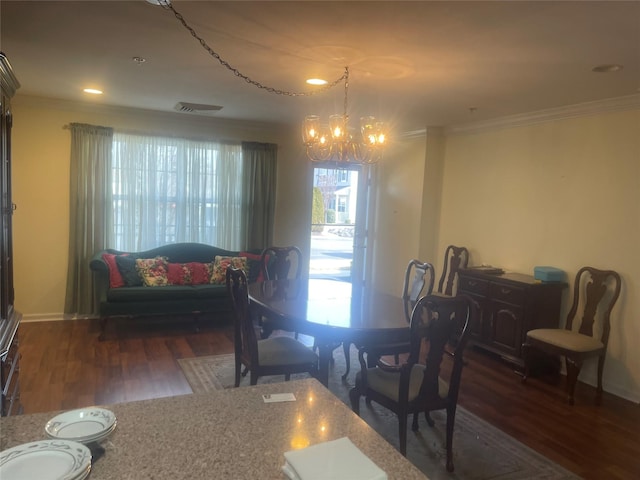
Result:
{"points": [[167, 135]]}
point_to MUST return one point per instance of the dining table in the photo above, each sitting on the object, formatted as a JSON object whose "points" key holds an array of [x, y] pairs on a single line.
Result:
{"points": [[334, 312], [238, 433]]}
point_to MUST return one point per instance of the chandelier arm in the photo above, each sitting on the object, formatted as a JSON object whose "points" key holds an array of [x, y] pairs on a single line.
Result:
{"points": [[167, 5]]}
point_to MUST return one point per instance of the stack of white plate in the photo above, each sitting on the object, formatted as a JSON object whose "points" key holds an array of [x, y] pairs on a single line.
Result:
{"points": [[84, 425], [46, 460]]}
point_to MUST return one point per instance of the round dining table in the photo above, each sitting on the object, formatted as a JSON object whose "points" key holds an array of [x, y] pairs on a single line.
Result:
{"points": [[334, 312]]}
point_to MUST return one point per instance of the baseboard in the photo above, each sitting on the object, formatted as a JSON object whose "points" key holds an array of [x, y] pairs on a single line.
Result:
{"points": [[53, 317]]}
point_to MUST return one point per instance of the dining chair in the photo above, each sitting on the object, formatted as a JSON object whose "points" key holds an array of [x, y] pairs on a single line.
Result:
{"points": [[595, 293], [430, 378], [455, 258], [278, 355], [419, 278], [278, 263], [418, 281]]}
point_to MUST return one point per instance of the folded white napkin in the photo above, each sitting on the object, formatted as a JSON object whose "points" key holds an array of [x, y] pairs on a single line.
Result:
{"points": [[335, 460]]}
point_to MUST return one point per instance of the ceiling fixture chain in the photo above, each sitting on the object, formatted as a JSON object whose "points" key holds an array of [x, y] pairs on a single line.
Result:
{"points": [[166, 4], [333, 143]]}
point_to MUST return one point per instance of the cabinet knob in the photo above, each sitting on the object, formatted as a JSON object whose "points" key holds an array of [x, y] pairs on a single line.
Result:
{"points": [[505, 291], [472, 283]]}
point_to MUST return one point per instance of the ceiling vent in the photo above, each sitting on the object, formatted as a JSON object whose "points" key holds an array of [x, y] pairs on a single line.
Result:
{"points": [[198, 108]]}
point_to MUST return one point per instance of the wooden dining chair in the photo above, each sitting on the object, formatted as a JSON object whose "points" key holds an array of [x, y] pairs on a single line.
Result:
{"points": [[278, 263], [421, 384], [419, 278], [418, 281], [455, 258], [586, 332], [279, 355]]}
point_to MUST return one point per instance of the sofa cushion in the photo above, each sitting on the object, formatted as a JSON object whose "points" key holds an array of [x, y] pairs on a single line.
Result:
{"points": [[153, 271], [164, 294], [219, 271], [127, 266], [191, 273]]}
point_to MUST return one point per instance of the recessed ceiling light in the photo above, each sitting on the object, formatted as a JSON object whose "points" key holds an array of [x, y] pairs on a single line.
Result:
{"points": [[316, 81], [138, 60], [92, 91], [607, 68]]}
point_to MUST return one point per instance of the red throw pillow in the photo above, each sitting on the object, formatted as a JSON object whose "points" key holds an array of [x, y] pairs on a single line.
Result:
{"points": [[115, 277], [192, 273], [176, 273], [200, 273]]}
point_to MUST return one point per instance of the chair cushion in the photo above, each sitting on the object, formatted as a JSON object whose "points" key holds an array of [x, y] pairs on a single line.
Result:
{"points": [[284, 351], [571, 341], [386, 383]]}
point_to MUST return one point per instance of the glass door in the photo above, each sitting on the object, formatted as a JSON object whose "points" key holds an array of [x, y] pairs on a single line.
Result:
{"points": [[338, 229]]}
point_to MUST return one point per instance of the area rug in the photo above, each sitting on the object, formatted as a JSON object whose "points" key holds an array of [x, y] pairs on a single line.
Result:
{"points": [[481, 451]]}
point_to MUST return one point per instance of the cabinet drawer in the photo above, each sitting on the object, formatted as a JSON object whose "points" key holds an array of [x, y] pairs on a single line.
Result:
{"points": [[507, 293], [473, 285]]}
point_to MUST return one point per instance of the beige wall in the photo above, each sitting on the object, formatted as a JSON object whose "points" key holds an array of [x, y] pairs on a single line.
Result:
{"points": [[564, 193], [395, 233]]}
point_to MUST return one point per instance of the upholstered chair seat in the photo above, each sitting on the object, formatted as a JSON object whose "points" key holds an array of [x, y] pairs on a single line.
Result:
{"points": [[284, 351], [387, 383], [571, 341]]}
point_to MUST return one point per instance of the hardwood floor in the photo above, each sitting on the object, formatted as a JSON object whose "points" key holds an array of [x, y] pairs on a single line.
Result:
{"points": [[64, 366]]}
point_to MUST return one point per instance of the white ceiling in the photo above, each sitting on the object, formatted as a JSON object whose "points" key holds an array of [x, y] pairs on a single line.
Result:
{"points": [[413, 63]]}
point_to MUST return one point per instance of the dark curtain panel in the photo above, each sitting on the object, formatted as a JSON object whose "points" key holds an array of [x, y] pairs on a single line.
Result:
{"points": [[259, 187], [90, 180]]}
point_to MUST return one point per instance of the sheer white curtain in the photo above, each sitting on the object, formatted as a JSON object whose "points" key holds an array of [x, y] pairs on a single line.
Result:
{"points": [[168, 190]]}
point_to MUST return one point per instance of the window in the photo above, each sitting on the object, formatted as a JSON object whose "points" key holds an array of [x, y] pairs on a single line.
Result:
{"points": [[342, 204], [167, 190]]}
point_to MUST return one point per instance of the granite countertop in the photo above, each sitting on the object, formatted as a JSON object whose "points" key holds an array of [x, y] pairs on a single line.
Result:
{"points": [[230, 434]]}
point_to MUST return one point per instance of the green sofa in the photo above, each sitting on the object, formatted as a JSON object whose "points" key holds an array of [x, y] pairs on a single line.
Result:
{"points": [[170, 300]]}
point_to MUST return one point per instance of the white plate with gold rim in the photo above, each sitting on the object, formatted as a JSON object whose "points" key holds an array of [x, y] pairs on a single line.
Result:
{"points": [[83, 425], [46, 460]]}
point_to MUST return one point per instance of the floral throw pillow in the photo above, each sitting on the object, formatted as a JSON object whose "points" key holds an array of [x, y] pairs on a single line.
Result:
{"points": [[220, 264], [153, 271]]}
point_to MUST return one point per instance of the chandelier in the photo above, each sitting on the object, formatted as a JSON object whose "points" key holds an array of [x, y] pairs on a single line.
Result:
{"points": [[335, 142]]}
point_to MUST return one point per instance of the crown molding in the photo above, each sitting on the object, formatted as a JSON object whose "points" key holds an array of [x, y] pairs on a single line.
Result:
{"points": [[628, 102]]}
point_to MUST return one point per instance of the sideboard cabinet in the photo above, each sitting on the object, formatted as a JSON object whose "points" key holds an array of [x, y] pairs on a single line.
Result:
{"points": [[9, 317], [511, 304]]}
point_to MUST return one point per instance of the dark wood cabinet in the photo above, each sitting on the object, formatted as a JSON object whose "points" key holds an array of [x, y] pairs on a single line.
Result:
{"points": [[9, 317], [511, 304]]}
